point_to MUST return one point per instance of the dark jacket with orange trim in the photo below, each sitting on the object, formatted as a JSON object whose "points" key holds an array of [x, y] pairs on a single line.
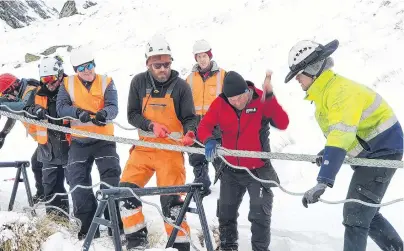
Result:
{"points": [[182, 97], [55, 152]]}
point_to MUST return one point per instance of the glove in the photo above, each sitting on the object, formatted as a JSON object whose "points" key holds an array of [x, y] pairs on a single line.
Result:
{"points": [[100, 118], [312, 195], [319, 159], [160, 131], [40, 112], [2, 138], [188, 139], [83, 116], [211, 150]]}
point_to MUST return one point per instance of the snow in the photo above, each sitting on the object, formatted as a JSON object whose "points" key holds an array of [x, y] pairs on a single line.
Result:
{"points": [[249, 37]]}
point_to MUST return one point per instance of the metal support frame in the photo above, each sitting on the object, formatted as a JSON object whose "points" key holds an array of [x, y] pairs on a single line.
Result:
{"points": [[21, 169], [107, 197]]}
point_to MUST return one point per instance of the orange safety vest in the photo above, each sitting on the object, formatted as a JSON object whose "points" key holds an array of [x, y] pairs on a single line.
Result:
{"points": [[162, 111], [91, 100], [205, 92], [40, 133]]}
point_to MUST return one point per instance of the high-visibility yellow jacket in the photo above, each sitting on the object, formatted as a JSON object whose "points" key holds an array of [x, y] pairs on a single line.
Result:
{"points": [[356, 121]]}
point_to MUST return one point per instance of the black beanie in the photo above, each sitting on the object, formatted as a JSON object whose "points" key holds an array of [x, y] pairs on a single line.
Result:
{"points": [[234, 84]]}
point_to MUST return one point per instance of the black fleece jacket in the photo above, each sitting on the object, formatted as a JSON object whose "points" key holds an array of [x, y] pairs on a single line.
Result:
{"points": [[182, 97]]}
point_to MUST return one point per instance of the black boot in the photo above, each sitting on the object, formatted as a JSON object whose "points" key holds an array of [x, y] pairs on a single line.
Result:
{"points": [[182, 246], [137, 240]]}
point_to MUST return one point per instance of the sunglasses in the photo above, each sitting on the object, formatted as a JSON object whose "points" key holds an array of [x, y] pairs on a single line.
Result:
{"points": [[159, 65], [88, 66], [49, 79]]}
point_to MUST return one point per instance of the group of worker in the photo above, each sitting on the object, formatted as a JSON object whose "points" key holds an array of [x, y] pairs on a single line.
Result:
{"points": [[217, 108]]}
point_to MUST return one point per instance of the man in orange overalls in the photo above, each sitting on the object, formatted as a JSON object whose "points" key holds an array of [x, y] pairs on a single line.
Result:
{"points": [[160, 104]]}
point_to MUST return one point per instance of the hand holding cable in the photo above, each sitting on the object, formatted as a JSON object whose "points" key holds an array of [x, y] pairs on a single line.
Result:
{"points": [[188, 139], [159, 130], [83, 115], [100, 118]]}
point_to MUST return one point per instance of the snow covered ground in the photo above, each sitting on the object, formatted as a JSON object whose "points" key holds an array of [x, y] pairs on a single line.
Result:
{"points": [[249, 37]]}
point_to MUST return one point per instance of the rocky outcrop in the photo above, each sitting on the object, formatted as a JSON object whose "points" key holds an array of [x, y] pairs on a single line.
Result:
{"points": [[69, 9], [20, 13], [53, 49], [88, 4], [31, 58]]}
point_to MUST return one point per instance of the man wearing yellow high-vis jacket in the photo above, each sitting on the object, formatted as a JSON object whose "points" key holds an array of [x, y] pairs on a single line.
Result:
{"points": [[357, 122]]}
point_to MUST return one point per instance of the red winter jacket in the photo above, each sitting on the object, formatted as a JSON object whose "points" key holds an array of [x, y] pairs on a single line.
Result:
{"points": [[249, 131]]}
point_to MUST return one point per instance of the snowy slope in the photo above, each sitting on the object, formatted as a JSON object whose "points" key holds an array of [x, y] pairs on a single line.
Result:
{"points": [[249, 37]]}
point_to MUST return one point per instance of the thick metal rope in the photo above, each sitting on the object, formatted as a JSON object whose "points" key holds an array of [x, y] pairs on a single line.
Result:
{"points": [[222, 151]]}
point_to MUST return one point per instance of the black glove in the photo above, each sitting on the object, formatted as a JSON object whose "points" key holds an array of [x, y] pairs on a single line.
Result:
{"points": [[312, 195], [2, 138], [319, 159], [83, 116], [100, 118], [40, 112]]}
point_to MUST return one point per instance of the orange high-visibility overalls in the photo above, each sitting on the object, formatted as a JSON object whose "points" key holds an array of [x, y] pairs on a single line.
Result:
{"points": [[144, 161]]}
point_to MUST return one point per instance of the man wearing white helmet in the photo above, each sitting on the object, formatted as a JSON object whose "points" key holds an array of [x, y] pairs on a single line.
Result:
{"points": [[357, 122], [53, 146], [160, 104], [206, 81], [93, 100]]}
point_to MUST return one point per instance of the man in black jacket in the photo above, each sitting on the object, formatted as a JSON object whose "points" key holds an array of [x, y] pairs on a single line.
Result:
{"points": [[15, 94], [160, 104], [53, 146]]}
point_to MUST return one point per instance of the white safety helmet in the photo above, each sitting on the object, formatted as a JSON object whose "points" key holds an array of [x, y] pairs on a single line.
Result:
{"points": [[307, 52], [50, 66], [81, 55], [157, 45], [201, 46]]}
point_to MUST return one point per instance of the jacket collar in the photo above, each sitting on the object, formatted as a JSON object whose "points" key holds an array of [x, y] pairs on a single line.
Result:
{"points": [[316, 90], [214, 68]]}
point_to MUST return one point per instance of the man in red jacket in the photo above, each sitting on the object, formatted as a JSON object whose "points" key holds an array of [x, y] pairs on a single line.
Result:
{"points": [[243, 113]]}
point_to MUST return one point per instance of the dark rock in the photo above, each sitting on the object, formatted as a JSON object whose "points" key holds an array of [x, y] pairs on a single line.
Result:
{"points": [[69, 9]]}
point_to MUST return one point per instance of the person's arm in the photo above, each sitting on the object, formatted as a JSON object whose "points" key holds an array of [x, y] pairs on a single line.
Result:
{"points": [[19, 104], [344, 113], [134, 111], [111, 101], [209, 121], [274, 111], [64, 105], [187, 114]]}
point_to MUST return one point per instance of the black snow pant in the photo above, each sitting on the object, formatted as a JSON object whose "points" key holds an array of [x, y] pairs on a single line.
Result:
{"points": [[78, 171], [201, 165], [233, 185], [36, 167], [53, 182], [360, 221]]}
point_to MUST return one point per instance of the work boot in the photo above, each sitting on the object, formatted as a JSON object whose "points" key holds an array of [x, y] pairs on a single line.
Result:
{"points": [[38, 197], [137, 240], [82, 236], [182, 246]]}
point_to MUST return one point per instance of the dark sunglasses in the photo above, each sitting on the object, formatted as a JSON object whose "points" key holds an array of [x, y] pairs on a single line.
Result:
{"points": [[88, 66], [159, 65]]}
